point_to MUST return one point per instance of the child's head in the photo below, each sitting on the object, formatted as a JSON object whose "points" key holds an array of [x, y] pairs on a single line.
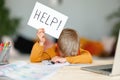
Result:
{"points": [[69, 42]]}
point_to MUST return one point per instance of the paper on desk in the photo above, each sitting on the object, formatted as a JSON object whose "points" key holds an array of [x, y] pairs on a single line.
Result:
{"points": [[48, 62], [26, 71]]}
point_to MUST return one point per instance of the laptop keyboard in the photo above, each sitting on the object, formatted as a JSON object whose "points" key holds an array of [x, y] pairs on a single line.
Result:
{"points": [[108, 69]]}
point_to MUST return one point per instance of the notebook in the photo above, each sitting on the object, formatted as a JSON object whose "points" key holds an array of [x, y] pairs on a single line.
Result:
{"points": [[108, 69]]}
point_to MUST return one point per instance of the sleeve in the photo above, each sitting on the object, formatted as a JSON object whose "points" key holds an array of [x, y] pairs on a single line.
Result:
{"points": [[84, 58], [38, 54]]}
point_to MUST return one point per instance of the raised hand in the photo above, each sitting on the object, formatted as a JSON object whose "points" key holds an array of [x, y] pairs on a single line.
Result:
{"points": [[41, 36]]}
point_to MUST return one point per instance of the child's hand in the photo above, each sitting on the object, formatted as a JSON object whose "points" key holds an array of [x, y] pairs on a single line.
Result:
{"points": [[58, 59], [41, 36]]}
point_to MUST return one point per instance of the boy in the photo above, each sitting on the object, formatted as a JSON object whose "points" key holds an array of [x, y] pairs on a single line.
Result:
{"points": [[67, 49]]}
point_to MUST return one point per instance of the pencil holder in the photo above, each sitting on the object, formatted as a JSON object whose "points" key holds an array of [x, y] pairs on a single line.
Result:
{"points": [[4, 55]]}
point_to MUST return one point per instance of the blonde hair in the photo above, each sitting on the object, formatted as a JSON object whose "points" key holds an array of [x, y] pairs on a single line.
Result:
{"points": [[69, 42]]}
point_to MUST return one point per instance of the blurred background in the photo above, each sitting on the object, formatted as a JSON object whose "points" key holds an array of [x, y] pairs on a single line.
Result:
{"points": [[97, 22]]}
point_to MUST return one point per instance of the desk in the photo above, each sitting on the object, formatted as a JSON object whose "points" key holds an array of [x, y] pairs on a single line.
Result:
{"points": [[73, 72], [19, 57]]}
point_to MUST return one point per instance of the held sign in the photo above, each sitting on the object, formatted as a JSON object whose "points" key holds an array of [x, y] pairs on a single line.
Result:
{"points": [[44, 17]]}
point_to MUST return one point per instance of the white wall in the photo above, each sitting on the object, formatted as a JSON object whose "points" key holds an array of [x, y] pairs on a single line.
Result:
{"points": [[88, 17]]}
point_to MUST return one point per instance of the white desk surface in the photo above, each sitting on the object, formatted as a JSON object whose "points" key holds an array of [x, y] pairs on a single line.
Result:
{"points": [[74, 72]]}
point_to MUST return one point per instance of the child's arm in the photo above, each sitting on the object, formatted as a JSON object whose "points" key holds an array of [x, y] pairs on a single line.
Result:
{"points": [[38, 51], [38, 54], [84, 57]]}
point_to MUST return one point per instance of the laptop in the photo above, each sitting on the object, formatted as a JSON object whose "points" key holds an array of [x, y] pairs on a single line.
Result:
{"points": [[108, 69]]}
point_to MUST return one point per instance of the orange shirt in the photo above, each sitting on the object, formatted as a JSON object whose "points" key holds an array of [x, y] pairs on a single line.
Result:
{"points": [[38, 54]]}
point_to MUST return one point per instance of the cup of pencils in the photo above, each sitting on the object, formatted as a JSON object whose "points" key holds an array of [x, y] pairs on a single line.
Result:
{"points": [[4, 53]]}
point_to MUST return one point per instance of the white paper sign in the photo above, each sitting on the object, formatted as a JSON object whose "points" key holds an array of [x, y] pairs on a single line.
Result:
{"points": [[44, 17]]}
